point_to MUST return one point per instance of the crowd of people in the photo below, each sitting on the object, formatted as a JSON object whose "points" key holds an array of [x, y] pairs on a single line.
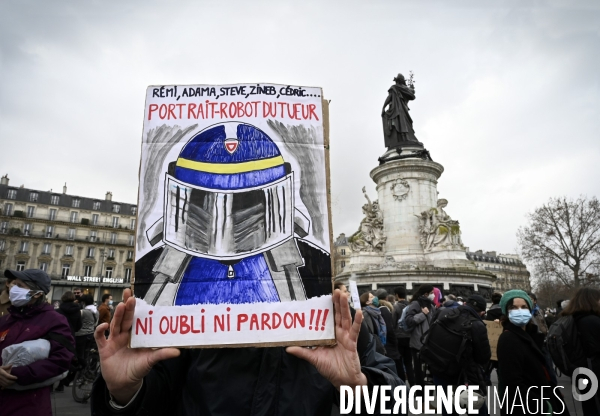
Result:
{"points": [[391, 341]]}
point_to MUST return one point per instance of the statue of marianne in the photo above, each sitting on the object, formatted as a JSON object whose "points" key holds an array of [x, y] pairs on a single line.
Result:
{"points": [[397, 124]]}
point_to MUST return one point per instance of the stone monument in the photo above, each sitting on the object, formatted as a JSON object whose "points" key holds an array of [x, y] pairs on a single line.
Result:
{"points": [[406, 237]]}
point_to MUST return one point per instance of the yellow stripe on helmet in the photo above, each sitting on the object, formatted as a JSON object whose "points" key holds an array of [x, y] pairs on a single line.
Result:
{"points": [[225, 168]]}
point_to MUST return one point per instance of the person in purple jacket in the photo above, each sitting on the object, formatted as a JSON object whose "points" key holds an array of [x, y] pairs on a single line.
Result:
{"points": [[31, 317]]}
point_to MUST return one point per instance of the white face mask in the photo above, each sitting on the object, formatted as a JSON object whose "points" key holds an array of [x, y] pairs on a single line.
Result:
{"points": [[19, 296], [431, 296]]}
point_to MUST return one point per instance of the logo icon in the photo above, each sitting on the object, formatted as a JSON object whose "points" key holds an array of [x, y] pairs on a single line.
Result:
{"points": [[584, 384], [231, 145]]}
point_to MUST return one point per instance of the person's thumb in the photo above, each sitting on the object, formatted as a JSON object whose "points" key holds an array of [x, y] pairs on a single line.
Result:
{"points": [[162, 354], [302, 353]]}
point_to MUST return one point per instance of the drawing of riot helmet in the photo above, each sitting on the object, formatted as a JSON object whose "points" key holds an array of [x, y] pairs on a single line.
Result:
{"points": [[228, 223]]}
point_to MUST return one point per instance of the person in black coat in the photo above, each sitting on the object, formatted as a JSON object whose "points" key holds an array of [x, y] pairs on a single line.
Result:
{"points": [[585, 309], [235, 381], [522, 371], [495, 312], [71, 311]]}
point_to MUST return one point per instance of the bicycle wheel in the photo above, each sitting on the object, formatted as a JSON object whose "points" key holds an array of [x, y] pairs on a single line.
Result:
{"points": [[84, 379]]}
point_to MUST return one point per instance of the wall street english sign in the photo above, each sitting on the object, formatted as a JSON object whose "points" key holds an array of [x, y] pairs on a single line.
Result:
{"points": [[94, 279]]}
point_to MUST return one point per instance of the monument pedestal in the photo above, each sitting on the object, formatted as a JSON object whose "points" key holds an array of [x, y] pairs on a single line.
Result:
{"points": [[421, 243]]}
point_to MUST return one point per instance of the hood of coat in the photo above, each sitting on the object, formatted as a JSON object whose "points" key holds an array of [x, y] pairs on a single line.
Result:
{"points": [[69, 308], [28, 311]]}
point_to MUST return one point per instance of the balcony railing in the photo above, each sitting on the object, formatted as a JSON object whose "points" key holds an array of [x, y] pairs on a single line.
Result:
{"points": [[76, 239], [67, 219]]}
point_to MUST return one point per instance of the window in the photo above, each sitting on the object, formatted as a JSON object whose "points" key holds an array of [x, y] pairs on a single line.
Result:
{"points": [[96, 205], [95, 219], [71, 234], [66, 270], [130, 242], [130, 255], [343, 252], [76, 202], [49, 231], [87, 270], [93, 235], [12, 194], [116, 208], [343, 264], [47, 248], [33, 196], [133, 210], [68, 250], [132, 224], [26, 229], [30, 212], [20, 266], [109, 271], [113, 238], [2, 245], [91, 252], [8, 209], [24, 247], [52, 214], [115, 223], [111, 253], [74, 215], [3, 227], [54, 199], [44, 266], [127, 275]]}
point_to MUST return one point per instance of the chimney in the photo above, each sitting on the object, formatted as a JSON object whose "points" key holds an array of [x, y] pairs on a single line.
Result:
{"points": [[4, 180], [108, 196], [65, 188]]}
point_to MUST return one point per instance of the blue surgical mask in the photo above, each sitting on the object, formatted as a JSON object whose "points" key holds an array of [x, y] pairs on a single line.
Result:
{"points": [[375, 302], [110, 302], [519, 317]]}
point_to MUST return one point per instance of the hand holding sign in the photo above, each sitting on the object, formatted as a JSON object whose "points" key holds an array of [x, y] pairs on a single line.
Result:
{"points": [[124, 368], [338, 364]]}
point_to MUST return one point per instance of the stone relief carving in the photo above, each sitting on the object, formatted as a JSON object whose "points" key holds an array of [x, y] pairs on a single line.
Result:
{"points": [[438, 230], [389, 263], [369, 236], [400, 189]]}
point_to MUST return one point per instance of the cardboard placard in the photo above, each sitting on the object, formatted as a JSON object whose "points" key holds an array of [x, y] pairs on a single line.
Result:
{"points": [[494, 330], [234, 231]]}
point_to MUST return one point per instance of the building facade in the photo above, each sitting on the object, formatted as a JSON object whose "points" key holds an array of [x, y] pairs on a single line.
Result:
{"points": [[510, 270], [79, 241], [341, 254]]}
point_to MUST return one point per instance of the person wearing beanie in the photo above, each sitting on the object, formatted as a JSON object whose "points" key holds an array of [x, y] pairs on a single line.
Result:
{"points": [[522, 363], [31, 318]]}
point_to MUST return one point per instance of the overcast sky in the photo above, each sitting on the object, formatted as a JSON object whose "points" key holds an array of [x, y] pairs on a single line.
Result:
{"points": [[508, 96]]}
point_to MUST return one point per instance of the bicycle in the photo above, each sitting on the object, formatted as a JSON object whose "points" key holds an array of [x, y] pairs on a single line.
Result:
{"points": [[85, 377]]}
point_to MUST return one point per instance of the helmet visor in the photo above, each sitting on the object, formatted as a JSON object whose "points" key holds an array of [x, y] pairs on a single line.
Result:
{"points": [[227, 224]]}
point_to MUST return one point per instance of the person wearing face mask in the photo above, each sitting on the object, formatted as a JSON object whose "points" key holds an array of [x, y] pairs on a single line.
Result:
{"points": [[521, 362], [30, 318], [374, 320], [419, 315]]}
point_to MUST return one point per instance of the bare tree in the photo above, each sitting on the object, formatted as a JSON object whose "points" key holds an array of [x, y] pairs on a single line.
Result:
{"points": [[562, 240]]}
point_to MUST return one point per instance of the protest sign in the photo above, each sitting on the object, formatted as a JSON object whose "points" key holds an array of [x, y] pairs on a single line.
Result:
{"points": [[234, 228], [494, 330]]}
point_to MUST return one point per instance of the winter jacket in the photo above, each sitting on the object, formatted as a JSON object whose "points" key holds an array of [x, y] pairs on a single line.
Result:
{"points": [[493, 313], [376, 326], [25, 324], [449, 304], [103, 314], [391, 346], [588, 326], [88, 320], [396, 315], [480, 346], [539, 319], [417, 321], [242, 382], [521, 365], [72, 312]]}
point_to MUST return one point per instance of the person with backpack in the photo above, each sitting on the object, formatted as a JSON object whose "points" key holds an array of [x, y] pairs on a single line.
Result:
{"points": [[584, 309], [404, 364], [391, 344], [417, 317], [457, 348], [374, 320], [521, 362]]}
